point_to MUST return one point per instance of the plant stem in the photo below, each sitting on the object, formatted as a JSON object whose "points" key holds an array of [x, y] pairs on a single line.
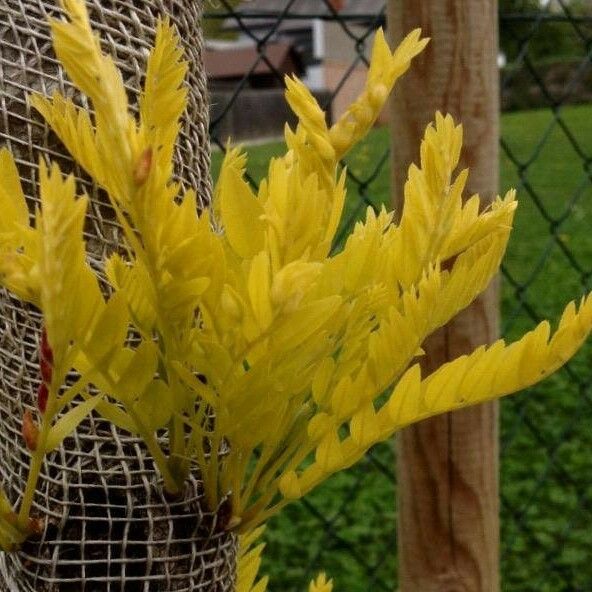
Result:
{"points": [[37, 460], [257, 518], [259, 508], [211, 483], [265, 472], [170, 483], [253, 514], [29, 493], [177, 454]]}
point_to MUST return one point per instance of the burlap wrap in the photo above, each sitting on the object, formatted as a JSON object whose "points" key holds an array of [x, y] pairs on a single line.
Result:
{"points": [[108, 525]]}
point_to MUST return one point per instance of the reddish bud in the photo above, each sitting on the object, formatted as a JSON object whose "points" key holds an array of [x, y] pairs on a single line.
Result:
{"points": [[42, 396], [36, 526], [46, 353], [142, 168], [30, 431], [46, 371]]}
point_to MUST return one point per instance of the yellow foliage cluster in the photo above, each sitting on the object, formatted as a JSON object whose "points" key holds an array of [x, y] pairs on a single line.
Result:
{"points": [[250, 335]]}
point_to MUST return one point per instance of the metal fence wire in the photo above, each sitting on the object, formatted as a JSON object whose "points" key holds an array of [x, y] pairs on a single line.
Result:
{"points": [[348, 526]]}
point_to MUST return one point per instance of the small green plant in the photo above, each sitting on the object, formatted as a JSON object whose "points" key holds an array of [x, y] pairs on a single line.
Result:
{"points": [[248, 335]]}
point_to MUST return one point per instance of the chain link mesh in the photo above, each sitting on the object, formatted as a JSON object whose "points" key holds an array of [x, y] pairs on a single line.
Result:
{"points": [[348, 526], [108, 526], [546, 485]]}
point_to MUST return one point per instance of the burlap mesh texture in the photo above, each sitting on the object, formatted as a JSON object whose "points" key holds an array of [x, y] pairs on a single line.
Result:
{"points": [[108, 526]]}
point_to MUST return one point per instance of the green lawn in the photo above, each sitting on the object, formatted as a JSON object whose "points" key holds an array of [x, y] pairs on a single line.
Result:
{"points": [[546, 468]]}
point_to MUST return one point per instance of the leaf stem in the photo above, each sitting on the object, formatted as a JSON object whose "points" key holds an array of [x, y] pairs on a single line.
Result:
{"points": [[37, 459], [171, 484]]}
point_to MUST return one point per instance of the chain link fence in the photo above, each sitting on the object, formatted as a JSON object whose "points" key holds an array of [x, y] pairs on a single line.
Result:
{"points": [[546, 438], [348, 526]]}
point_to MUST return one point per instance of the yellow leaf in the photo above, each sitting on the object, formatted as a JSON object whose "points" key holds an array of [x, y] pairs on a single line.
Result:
{"points": [[385, 69], [92, 72], [435, 226], [13, 207], [311, 116], [108, 334], [289, 486], [134, 283], [307, 321], [293, 281], [249, 561], [328, 454], [155, 405], [117, 416], [11, 535], [165, 97], [138, 374], [66, 425], [322, 378], [74, 128], [460, 383], [405, 403], [320, 425], [70, 294], [240, 212], [364, 428], [259, 290], [343, 400], [321, 584]]}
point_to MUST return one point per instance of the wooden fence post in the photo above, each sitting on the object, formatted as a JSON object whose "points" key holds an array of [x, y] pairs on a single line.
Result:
{"points": [[447, 467]]}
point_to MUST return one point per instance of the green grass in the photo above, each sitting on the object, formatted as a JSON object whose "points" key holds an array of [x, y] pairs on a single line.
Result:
{"points": [[547, 442], [546, 467]]}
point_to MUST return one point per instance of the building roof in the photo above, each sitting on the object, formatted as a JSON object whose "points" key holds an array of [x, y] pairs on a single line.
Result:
{"points": [[235, 63], [314, 7]]}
